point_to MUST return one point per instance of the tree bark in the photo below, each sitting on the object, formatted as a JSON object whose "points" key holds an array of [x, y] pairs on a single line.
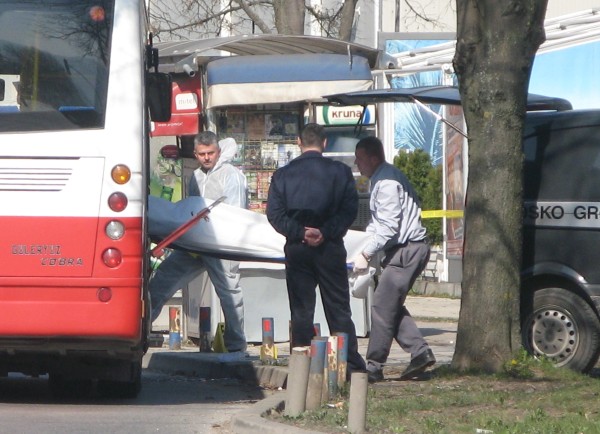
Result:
{"points": [[496, 46], [347, 19], [289, 16]]}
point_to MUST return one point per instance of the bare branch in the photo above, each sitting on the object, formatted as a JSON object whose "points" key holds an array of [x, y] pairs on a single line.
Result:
{"points": [[247, 8], [187, 18], [327, 19], [419, 16]]}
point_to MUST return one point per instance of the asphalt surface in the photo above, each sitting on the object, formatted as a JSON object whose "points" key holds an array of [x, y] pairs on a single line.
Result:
{"points": [[436, 316]]}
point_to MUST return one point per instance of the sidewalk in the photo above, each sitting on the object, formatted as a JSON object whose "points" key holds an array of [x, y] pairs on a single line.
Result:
{"points": [[436, 317]]}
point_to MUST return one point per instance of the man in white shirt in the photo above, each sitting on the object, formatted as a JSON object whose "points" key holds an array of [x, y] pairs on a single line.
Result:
{"points": [[395, 229]]}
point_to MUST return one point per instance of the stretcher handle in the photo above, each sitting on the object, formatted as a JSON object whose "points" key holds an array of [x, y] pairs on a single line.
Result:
{"points": [[159, 250]]}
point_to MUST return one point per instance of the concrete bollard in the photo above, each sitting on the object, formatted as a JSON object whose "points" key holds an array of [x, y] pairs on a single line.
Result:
{"points": [[332, 367], [318, 348], [357, 407], [342, 358], [297, 382], [204, 332], [174, 328]]}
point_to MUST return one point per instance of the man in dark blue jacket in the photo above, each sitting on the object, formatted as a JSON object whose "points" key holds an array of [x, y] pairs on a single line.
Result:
{"points": [[312, 202]]}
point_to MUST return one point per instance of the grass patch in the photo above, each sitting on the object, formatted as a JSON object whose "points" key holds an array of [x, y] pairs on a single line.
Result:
{"points": [[530, 397]]}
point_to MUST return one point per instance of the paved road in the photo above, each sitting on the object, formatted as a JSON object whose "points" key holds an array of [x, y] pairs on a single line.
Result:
{"points": [[167, 404]]}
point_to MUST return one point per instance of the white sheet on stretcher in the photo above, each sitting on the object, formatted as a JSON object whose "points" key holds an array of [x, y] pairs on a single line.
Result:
{"points": [[229, 232]]}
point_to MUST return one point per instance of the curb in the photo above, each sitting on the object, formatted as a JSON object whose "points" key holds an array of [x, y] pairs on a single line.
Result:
{"points": [[253, 420], [206, 365]]}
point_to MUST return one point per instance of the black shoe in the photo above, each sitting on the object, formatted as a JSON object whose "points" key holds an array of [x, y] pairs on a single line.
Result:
{"points": [[375, 376], [419, 364]]}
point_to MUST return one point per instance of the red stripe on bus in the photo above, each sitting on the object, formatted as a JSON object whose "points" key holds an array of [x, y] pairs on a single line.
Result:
{"points": [[69, 312]]}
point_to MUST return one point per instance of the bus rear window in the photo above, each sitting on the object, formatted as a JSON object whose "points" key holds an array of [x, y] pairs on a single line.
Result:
{"points": [[54, 60]]}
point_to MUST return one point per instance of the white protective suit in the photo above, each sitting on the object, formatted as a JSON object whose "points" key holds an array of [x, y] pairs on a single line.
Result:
{"points": [[179, 268]]}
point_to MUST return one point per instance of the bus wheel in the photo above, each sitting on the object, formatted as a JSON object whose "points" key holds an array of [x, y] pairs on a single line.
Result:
{"points": [[63, 387], [562, 327], [123, 389]]}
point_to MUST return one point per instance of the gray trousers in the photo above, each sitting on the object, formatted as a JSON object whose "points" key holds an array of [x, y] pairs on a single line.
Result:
{"points": [[180, 268], [389, 317]]}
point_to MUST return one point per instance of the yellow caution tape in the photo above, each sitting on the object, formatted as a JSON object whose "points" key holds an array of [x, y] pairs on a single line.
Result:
{"points": [[439, 213]]}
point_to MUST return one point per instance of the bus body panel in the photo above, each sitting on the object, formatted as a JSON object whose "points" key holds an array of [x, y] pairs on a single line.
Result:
{"points": [[62, 309], [74, 312], [68, 247]]}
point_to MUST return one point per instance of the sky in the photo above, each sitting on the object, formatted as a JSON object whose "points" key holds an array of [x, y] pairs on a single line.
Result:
{"points": [[569, 73]]}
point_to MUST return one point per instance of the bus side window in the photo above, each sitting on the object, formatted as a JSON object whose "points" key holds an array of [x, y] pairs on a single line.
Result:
{"points": [[158, 94], [2, 89]]}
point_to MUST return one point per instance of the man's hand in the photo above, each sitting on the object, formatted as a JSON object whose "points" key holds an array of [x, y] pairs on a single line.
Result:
{"points": [[313, 236], [360, 264]]}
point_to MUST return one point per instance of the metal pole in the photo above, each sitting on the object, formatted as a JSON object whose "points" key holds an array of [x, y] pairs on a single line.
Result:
{"points": [[218, 344], [318, 348], [290, 334], [174, 328], [268, 351], [317, 328], [204, 332], [342, 358], [332, 367]]}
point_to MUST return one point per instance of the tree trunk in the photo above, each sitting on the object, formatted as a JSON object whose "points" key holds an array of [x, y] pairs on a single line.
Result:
{"points": [[289, 16], [347, 19], [496, 46]]}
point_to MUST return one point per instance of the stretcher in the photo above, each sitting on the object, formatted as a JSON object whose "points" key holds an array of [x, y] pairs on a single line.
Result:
{"points": [[159, 250], [198, 225]]}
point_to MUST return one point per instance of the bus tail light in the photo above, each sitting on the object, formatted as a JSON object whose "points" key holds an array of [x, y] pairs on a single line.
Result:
{"points": [[114, 230], [120, 174], [112, 257], [104, 294], [117, 201]]}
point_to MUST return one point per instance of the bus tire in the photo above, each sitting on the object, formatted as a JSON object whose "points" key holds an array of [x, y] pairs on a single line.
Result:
{"points": [[123, 389], [562, 327], [63, 387]]}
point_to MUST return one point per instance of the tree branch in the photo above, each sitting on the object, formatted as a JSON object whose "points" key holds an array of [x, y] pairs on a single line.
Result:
{"points": [[246, 6]]}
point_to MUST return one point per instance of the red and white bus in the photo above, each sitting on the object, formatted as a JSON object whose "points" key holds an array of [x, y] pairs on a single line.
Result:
{"points": [[74, 127]]}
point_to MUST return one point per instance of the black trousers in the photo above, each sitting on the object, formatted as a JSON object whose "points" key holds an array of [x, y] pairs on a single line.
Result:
{"points": [[325, 266]]}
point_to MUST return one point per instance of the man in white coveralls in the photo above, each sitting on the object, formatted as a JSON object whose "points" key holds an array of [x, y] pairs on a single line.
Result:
{"points": [[215, 177]]}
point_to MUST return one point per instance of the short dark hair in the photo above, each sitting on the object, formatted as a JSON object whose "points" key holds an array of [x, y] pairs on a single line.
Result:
{"points": [[313, 135], [205, 138], [372, 147]]}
